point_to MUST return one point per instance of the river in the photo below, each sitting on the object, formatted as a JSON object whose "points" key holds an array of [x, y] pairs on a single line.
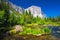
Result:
{"points": [[55, 31]]}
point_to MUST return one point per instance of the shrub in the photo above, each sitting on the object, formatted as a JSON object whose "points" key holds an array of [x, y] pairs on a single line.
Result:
{"points": [[46, 30]]}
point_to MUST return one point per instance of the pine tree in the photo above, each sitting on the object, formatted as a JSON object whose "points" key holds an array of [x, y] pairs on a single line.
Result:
{"points": [[1, 6], [6, 10]]}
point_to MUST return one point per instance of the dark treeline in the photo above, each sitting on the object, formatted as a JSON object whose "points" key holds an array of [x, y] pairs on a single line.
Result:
{"points": [[4, 6]]}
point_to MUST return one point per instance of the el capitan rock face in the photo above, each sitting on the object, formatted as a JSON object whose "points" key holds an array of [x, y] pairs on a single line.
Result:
{"points": [[35, 10]]}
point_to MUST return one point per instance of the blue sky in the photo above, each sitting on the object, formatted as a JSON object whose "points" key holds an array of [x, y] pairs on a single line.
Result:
{"points": [[49, 7]]}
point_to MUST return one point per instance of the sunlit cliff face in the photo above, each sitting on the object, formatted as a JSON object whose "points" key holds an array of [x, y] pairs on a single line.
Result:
{"points": [[35, 10]]}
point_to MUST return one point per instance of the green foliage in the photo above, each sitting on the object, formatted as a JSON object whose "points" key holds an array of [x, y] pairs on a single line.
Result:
{"points": [[25, 18], [2, 18], [12, 32], [46, 30], [32, 31], [1, 14], [37, 31], [1, 7]]}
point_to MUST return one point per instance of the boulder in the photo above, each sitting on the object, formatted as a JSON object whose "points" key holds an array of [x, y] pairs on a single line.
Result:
{"points": [[18, 28]]}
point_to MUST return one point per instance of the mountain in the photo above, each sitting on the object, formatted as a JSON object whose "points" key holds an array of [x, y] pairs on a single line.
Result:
{"points": [[35, 10], [16, 8]]}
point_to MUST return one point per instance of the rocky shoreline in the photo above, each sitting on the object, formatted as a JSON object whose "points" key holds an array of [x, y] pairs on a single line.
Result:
{"points": [[30, 37]]}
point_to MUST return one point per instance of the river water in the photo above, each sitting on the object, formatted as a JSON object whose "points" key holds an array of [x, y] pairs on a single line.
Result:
{"points": [[55, 31]]}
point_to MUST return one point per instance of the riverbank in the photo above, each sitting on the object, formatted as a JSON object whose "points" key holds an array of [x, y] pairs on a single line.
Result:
{"points": [[30, 37]]}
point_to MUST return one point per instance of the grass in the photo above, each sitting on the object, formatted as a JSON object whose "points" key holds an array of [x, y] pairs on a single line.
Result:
{"points": [[34, 31]]}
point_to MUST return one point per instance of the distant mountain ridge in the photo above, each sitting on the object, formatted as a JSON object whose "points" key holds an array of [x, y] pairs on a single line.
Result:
{"points": [[16, 8], [35, 10]]}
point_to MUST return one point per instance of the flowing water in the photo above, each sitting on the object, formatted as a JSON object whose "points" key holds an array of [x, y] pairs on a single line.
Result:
{"points": [[55, 31]]}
